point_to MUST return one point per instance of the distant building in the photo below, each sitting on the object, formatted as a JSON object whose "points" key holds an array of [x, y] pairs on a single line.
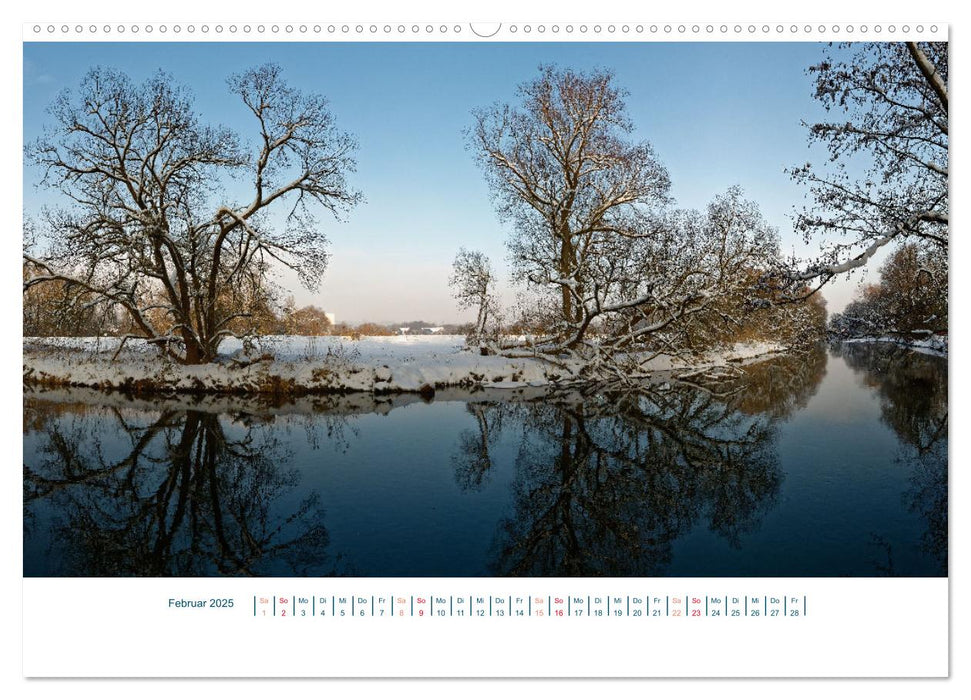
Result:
{"points": [[433, 330], [404, 331]]}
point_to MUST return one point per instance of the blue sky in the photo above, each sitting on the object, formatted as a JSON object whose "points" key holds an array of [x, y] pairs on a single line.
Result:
{"points": [[717, 115]]}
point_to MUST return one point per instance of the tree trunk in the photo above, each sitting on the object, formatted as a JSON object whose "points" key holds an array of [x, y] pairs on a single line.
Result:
{"points": [[193, 353], [480, 322], [930, 73], [566, 268]]}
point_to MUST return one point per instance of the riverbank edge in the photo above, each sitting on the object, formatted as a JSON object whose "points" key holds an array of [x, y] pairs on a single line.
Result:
{"points": [[935, 345], [141, 375]]}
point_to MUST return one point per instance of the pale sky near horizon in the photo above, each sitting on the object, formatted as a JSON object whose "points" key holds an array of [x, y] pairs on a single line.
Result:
{"points": [[717, 114]]}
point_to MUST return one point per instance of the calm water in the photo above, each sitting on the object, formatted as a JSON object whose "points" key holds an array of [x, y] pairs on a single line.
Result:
{"points": [[831, 464]]}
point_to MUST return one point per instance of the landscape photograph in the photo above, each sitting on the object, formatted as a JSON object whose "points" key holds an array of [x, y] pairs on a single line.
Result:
{"points": [[459, 309]]}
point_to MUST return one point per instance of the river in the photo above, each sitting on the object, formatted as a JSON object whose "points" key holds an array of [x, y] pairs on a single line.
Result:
{"points": [[831, 463]]}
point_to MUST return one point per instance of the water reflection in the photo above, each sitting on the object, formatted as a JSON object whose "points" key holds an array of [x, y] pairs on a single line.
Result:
{"points": [[524, 484], [606, 484], [912, 388], [175, 494]]}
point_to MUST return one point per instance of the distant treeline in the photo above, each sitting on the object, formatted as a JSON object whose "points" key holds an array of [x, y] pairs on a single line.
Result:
{"points": [[53, 310], [909, 301]]}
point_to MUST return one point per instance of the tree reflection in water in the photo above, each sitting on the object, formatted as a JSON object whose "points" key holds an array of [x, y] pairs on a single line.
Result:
{"points": [[182, 493], [912, 388], [605, 483]]}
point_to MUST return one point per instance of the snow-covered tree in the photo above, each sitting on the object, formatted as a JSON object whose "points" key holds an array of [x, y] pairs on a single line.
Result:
{"points": [[913, 284], [473, 284], [594, 238], [565, 172], [909, 301], [152, 225], [886, 178]]}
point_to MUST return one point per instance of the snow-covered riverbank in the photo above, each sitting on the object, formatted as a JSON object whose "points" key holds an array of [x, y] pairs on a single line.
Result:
{"points": [[933, 345], [310, 365]]}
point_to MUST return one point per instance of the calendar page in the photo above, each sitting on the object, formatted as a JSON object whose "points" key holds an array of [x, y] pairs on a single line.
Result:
{"points": [[517, 349]]}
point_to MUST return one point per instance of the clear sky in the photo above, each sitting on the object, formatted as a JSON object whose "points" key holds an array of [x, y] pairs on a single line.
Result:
{"points": [[717, 115]]}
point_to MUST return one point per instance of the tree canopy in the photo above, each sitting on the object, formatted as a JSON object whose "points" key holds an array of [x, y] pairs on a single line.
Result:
{"points": [[564, 170], [152, 230], [617, 270], [886, 178]]}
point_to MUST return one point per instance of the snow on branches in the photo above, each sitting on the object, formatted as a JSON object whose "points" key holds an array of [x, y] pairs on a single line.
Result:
{"points": [[595, 238], [149, 229]]}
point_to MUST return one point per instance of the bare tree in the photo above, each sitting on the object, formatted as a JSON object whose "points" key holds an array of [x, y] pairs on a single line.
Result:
{"points": [[564, 171], [472, 284], [149, 227], [594, 237], [887, 174]]}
